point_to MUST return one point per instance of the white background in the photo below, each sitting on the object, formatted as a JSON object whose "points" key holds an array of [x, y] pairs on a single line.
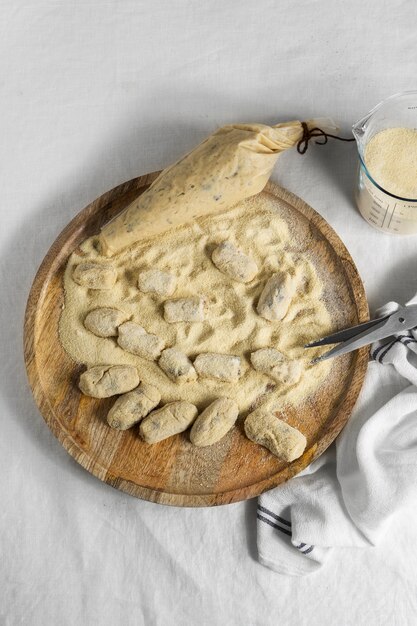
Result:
{"points": [[93, 93]]}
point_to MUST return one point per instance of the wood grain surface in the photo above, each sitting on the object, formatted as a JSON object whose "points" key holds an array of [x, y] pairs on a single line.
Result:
{"points": [[175, 472]]}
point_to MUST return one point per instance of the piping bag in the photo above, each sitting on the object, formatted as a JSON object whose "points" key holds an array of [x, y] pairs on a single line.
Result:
{"points": [[232, 164]]}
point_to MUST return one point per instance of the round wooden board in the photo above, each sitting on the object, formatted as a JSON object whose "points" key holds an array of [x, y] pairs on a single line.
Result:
{"points": [[175, 472]]}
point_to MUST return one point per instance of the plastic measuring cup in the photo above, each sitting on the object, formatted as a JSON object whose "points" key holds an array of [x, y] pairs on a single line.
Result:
{"points": [[381, 209]]}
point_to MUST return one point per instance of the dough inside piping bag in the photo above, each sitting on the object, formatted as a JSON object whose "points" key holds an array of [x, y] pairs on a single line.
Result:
{"points": [[233, 163]]}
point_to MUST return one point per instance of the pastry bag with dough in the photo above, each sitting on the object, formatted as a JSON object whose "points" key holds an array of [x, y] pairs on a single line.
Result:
{"points": [[233, 163]]}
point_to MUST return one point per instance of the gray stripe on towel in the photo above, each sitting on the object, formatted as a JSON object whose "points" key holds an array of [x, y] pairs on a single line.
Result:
{"points": [[267, 521], [274, 515]]}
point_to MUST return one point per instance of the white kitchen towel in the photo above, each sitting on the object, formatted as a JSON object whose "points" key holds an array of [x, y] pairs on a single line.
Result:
{"points": [[350, 494]]}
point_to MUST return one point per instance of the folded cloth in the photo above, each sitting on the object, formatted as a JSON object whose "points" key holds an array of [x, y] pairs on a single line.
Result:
{"points": [[349, 495]]}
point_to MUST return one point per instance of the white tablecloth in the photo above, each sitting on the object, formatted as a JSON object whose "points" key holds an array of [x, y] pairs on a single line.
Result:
{"points": [[92, 94]]}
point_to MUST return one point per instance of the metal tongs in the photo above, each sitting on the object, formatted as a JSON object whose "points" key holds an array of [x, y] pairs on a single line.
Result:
{"points": [[403, 319]]}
